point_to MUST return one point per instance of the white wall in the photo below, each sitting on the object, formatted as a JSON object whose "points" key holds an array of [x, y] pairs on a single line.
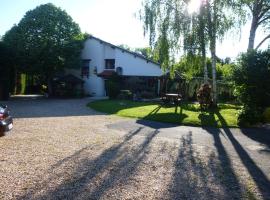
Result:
{"points": [[95, 51], [135, 66], [98, 51]]}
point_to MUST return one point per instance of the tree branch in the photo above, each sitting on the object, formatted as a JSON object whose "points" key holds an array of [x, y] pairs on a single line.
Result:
{"points": [[263, 20], [267, 37]]}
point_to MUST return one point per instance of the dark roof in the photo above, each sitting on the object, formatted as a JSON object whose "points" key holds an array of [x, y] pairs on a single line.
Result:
{"points": [[70, 79], [107, 73], [125, 50]]}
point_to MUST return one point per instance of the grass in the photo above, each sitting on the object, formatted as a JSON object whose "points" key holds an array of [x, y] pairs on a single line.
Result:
{"points": [[186, 114]]}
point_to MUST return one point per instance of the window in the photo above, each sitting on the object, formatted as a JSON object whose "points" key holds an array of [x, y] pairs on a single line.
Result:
{"points": [[85, 68], [109, 63]]}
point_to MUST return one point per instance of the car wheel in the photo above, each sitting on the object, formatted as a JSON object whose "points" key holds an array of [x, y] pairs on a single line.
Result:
{"points": [[2, 131]]}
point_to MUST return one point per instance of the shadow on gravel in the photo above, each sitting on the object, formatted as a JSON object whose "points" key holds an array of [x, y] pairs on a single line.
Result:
{"points": [[261, 135], [91, 178], [212, 178], [255, 172]]}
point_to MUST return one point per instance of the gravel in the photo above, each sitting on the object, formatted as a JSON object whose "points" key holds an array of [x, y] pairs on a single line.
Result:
{"points": [[59, 149]]}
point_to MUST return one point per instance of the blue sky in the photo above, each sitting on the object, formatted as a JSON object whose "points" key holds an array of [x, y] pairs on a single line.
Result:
{"points": [[110, 20]]}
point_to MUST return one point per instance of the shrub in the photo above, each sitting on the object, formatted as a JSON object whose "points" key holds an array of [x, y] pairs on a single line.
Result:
{"points": [[204, 96], [249, 115], [147, 95], [113, 87], [252, 80], [125, 94], [266, 115]]}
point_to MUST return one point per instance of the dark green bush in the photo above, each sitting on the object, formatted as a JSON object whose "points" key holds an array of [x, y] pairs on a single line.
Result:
{"points": [[125, 94], [266, 115], [249, 115], [112, 86], [252, 82], [147, 95]]}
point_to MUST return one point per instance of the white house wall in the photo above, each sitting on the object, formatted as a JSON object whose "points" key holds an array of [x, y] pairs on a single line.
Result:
{"points": [[97, 51], [135, 66]]}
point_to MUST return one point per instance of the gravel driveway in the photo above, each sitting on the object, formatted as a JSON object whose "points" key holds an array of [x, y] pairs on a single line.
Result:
{"points": [[60, 149]]}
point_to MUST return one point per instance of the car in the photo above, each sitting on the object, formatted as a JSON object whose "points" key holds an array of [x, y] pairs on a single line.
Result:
{"points": [[6, 121]]}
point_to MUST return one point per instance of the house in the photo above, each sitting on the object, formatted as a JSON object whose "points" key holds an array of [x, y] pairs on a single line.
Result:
{"points": [[100, 60]]}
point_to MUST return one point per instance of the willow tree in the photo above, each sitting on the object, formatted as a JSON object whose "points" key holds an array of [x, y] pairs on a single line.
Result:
{"points": [[170, 20]]}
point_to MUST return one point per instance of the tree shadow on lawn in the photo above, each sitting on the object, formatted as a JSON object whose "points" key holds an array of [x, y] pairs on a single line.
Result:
{"points": [[91, 178], [171, 118], [256, 173], [177, 117]]}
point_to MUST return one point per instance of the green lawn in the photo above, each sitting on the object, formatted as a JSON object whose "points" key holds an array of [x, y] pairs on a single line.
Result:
{"points": [[186, 114]]}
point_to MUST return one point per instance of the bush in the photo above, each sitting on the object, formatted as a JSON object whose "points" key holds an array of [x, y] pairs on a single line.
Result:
{"points": [[252, 80], [266, 115], [125, 94], [249, 115], [113, 87], [204, 96], [147, 95]]}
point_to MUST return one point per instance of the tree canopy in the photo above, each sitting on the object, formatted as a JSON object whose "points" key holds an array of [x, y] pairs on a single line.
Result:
{"points": [[173, 28], [6, 70], [46, 41]]}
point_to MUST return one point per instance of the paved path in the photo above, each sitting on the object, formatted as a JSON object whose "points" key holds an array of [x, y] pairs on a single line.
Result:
{"points": [[245, 149]]}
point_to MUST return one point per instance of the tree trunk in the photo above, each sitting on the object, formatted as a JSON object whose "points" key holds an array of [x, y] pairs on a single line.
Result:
{"points": [[252, 33], [203, 45], [213, 58], [212, 24], [205, 70]]}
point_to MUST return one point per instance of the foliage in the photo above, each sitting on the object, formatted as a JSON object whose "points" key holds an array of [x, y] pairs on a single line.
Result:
{"points": [[204, 96], [147, 95], [170, 26], [185, 114], [124, 46], [249, 115], [252, 80], [146, 52], [266, 115], [225, 89], [225, 71], [46, 41], [125, 94], [113, 87], [6, 70], [191, 66]]}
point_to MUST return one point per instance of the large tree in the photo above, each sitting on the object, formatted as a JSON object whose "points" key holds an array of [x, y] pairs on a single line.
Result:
{"points": [[46, 41], [6, 71]]}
